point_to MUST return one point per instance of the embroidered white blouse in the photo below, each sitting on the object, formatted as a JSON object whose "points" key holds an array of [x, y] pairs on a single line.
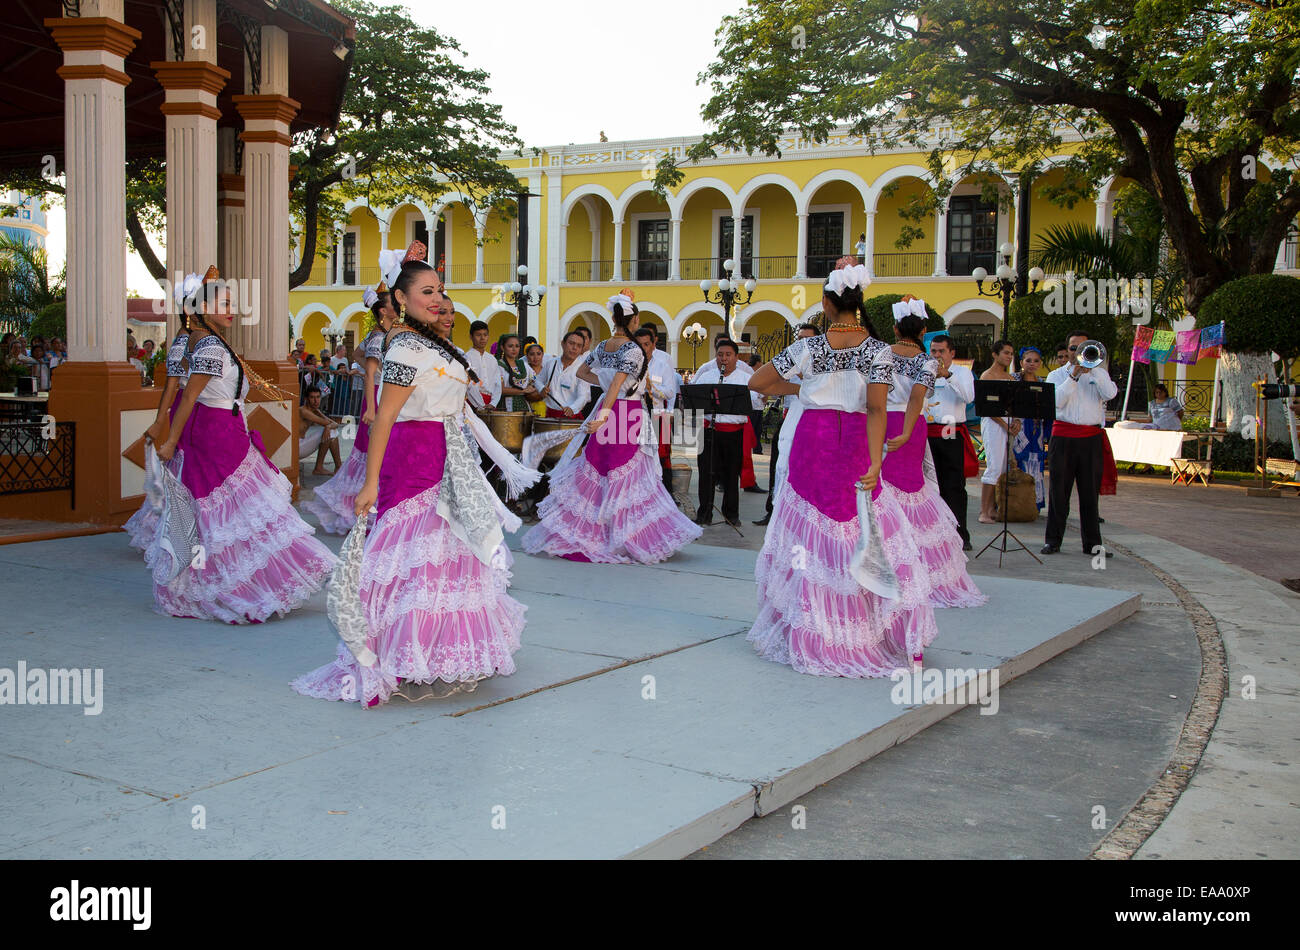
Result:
{"points": [[440, 383], [626, 359], [176, 365], [829, 378], [372, 347], [211, 358], [902, 374]]}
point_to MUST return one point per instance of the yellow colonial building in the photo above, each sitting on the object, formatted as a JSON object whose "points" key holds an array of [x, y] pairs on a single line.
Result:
{"points": [[596, 226]]}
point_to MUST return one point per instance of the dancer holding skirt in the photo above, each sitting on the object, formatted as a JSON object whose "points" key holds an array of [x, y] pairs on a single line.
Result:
{"points": [[814, 614], [143, 525], [933, 523], [434, 574], [333, 503], [608, 504], [258, 556]]}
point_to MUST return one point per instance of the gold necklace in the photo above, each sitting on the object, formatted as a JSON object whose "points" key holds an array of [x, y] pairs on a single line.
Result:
{"points": [[844, 326]]}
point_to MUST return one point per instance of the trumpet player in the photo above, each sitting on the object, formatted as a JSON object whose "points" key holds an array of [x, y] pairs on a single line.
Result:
{"points": [[1078, 453]]}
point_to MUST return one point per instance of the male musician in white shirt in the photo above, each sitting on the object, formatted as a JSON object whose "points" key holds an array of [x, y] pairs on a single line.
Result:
{"points": [[945, 416], [723, 438], [791, 409], [661, 392], [484, 365], [562, 390], [1076, 454]]}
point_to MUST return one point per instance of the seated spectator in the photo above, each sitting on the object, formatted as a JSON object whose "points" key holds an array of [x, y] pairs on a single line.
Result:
{"points": [[317, 433], [42, 367], [1166, 413]]}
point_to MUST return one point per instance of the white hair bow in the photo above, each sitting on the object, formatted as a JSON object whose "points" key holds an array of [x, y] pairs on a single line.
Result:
{"points": [[913, 306], [390, 265], [623, 300], [186, 288], [369, 297], [847, 278]]}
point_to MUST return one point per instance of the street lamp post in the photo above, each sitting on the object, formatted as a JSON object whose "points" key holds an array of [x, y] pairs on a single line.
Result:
{"points": [[694, 335], [726, 292], [1004, 282], [523, 296]]}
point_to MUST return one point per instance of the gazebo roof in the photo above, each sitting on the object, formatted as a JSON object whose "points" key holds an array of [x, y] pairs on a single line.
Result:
{"points": [[31, 92]]}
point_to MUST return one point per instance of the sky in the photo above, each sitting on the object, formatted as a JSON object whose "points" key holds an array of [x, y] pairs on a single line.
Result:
{"points": [[562, 72]]}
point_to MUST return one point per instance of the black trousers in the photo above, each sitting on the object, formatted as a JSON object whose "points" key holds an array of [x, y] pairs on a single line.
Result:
{"points": [[1073, 462], [950, 471], [756, 419], [771, 465], [723, 449]]}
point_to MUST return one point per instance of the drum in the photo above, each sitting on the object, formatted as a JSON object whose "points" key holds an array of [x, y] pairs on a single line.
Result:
{"points": [[541, 425], [509, 428]]}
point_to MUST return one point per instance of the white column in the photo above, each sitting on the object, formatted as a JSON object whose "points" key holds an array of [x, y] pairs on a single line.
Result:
{"points": [[595, 251], [675, 251], [383, 236], [870, 262], [736, 235], [478, 254], [801, 253], [94, 140], [338, 258], [617, 274], [557, 261], [190, 105], [1104, 215], [231, 248], [1280, 262], [266, 182], [941, 242]]}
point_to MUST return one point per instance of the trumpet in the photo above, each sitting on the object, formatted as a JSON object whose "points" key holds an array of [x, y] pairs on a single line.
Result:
{"points": [[1092, 354]]}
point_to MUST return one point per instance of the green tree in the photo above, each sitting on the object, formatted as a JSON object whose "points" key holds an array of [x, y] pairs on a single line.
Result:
{"points": [[879, 310], [415, 121], [26, 287], [1029, 323], [1164, 93]]}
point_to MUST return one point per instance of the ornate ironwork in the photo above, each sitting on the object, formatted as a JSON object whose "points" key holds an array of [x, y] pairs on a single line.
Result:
{"points": [[314, 17], [250, 34], [770, 344], [72, 8], [176, 18], [29, 462]]}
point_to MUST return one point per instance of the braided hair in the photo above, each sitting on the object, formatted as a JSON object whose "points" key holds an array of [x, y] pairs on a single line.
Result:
{"points": [[622, 320], [453, 354], [208, 292]]}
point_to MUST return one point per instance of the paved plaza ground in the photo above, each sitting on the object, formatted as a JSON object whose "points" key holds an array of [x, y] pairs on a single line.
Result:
{"points": [[734, 757]]}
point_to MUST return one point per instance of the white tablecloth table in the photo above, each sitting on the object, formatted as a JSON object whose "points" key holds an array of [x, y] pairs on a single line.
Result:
{"points": [[1145, 446]]}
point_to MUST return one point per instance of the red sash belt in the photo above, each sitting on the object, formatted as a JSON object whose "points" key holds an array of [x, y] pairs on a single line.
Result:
{"points": [[747, 479], [557, 414], [970, 461], [1109, 473], [724, 426]]}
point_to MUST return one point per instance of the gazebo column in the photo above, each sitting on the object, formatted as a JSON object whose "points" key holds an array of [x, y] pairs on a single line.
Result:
{"points": [[266, 234], [230, 223], [190, 105], [96, 390]]}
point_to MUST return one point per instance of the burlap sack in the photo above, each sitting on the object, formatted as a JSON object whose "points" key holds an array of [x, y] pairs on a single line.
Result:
{"points": [[1023, 505]]}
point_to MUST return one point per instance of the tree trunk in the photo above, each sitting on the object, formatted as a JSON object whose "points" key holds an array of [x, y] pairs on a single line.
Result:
{"points": [[140, 241], [1238, 374]]}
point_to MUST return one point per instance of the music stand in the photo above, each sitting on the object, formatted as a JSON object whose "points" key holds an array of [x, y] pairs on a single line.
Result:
{"points": [[717, 399], [1012, 399]]}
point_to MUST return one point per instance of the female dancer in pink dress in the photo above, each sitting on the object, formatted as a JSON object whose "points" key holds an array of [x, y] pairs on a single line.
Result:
{"points": [[608, 504], [143, 525], [333, 501], [814, 615], [934, 524], [258, 556], [434, 574]]}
